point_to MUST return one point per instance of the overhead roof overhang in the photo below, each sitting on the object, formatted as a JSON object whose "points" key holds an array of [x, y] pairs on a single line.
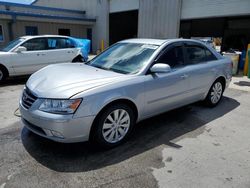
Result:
{"points": [[41, 7], [16, 11]]}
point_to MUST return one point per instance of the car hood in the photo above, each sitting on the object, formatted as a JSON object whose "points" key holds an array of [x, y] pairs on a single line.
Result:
{"points": [[66, 80], [4, 53]]}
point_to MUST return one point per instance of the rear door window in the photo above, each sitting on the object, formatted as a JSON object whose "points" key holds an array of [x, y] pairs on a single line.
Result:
{"points": [[60, 43], [52, 43], [195, 54], [210, 55]]}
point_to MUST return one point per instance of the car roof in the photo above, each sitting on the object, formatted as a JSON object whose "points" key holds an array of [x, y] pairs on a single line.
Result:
{"points": [[158, 41], [39, 36], [145, 41]]}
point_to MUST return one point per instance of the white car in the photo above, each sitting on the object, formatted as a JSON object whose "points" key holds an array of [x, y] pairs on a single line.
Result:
{"points": [[27, 54]]}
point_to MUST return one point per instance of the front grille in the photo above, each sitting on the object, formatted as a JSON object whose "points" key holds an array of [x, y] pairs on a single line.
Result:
{"points": [[28, 98]]}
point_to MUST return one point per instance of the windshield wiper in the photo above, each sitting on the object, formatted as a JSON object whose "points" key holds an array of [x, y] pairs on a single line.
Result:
{"points": [[118, 71], [99, 67], [108, 69]]}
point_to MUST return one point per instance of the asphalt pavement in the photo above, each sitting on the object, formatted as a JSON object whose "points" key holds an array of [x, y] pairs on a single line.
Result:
{"points": [[193, 146]]}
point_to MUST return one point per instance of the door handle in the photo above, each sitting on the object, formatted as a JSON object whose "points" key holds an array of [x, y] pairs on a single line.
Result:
{"points": [[184, 76], [40, 54]]}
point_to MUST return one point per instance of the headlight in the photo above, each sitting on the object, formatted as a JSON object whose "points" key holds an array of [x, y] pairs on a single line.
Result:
{"points": [[58, 106]]}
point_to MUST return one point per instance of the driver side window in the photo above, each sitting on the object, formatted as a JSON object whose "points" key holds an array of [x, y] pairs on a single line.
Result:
{"points": [[173, 57]]}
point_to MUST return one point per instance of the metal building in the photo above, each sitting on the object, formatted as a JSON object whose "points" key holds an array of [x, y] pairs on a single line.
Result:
{"points": [[114, 20], [226, 19], [45, 17], [147, 19]]}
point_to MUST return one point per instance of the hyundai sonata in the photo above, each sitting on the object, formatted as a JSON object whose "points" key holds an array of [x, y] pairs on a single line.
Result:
{"points": [[132, 80]]}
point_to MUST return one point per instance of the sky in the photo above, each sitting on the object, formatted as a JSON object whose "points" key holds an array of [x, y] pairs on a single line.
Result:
{"points": [[26, 2]]}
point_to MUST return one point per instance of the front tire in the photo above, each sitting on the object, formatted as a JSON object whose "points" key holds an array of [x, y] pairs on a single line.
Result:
{"points": [[215, 94], [113, 125], [78, 59]]}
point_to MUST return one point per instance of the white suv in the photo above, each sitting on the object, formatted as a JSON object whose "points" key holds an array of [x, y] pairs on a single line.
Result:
{"points": [[27, 54]]}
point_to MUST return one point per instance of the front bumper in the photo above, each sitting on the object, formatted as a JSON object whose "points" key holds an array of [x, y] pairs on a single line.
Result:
{"points": [[60, 128]]}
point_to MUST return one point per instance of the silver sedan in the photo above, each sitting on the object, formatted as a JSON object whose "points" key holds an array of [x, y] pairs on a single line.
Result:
{"points": [[132, 80]]}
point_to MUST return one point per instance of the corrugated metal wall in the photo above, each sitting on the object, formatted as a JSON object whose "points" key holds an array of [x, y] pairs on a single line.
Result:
{"points": [[67, 4], [159, 18], [49, 28], [98, 9], [123, 5], [43, 28], [214, 8], [101, 27], [83, 5], [4, 24]]}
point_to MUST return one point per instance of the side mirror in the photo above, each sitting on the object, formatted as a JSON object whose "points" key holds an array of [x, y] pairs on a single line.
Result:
{"points": [[20, 49], [160, 68]]}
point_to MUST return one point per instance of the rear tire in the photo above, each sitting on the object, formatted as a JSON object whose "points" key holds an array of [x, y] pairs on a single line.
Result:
{"points": [[2, 75], [113, 125], [215, 93]]}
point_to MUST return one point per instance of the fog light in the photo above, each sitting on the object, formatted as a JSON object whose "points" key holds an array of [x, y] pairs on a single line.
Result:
{"points": [[57, 134]]}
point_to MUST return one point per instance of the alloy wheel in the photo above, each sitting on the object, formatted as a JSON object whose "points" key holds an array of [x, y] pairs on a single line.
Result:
{"points": [[216, 92], [116, 126]]}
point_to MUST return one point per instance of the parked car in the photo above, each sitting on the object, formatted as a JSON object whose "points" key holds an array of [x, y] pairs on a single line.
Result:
{"points": [[27, 54], [132, 80]]}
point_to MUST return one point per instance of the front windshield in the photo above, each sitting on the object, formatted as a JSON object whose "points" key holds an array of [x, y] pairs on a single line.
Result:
{"points": [[125, 58], [12, 44]]}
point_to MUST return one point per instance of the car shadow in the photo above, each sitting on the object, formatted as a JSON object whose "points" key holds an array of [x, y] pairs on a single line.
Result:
{"points": [[14, 81], [149, 134]]}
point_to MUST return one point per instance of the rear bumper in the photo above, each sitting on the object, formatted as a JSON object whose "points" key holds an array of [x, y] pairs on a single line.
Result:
{"points": [[59, 128]]}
